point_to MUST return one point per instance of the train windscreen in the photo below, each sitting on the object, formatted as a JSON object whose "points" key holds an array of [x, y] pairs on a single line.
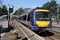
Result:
{"points": [[43, 16]]}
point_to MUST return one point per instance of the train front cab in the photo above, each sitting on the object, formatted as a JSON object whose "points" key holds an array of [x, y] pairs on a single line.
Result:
{"points": [[41, 20]]}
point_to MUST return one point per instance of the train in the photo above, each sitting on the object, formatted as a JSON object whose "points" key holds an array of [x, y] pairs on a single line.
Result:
{"points": [[39, 18]]}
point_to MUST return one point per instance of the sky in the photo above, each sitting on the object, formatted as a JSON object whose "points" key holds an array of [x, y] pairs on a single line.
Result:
{"points": [[25, 3]]}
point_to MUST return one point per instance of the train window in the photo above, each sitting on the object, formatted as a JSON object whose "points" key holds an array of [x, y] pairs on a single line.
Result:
{"points": [[28, 17], [42, 16], [24, 17]]}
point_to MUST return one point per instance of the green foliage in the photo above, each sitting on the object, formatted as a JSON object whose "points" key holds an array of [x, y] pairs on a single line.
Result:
{"points": [[59, 17], [59, 10], [59, 13], [3, 10], [52, 6], [47, 5], [26, 9], [0, 11], [21, 11]]}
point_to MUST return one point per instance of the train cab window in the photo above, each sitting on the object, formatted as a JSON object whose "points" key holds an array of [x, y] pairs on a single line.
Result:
{"points": [[42, 16]]}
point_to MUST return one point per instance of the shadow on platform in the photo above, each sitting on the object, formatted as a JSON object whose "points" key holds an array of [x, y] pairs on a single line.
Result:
{"points": [[2, 30], [19, 37], [25, 38]]}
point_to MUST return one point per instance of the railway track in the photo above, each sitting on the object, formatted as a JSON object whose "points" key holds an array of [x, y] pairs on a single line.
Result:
{"points": [[56, 36], [28, 32]]}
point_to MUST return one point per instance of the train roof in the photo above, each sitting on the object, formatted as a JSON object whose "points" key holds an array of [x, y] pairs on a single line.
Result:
{"points": [[25, 13], [40, 8], [32, 10]]}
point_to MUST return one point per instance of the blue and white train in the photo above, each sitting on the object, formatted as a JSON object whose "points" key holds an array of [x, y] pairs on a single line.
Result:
{"points": [[39, 18]]}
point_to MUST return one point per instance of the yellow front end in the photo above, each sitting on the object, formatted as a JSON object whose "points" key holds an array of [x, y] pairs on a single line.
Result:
{"points": [[42, 23]]}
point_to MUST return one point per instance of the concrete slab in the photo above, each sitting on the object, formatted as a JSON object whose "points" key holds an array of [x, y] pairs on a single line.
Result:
{"points": [[5, 24]]}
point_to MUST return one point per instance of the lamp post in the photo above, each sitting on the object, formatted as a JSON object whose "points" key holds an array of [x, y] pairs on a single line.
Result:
{"points": [[10, 10]]}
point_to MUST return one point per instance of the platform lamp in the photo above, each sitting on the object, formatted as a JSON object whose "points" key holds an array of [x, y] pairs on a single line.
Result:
{"points": [[9, 12]]}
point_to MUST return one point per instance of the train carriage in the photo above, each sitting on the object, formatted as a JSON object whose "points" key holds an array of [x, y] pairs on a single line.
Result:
{"points": [[39, 18]]}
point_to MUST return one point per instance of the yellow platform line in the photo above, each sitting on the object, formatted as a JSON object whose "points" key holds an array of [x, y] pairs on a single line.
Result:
{"points": [[22, 30]]}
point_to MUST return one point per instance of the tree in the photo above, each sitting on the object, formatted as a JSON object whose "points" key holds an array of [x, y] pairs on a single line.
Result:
{"points": [[47, 5], [52, 6], [59, 11], [21, 11], [26, 10], [3, 10]]}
